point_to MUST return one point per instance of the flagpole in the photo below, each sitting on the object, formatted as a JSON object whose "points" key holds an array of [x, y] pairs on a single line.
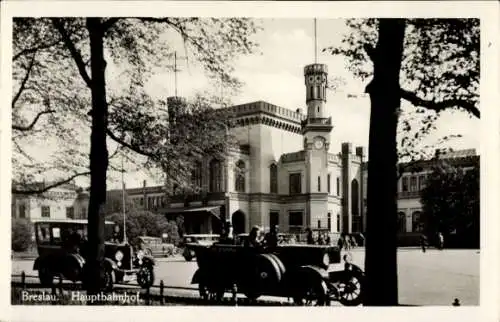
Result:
{"points": [[123, 205]]}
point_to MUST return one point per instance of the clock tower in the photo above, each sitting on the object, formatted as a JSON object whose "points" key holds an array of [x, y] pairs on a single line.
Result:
{"points": [[316, 129]]}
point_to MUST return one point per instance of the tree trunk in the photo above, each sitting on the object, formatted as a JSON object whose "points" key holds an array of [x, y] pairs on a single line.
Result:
{"points": [[98, 158], [381, 243]]}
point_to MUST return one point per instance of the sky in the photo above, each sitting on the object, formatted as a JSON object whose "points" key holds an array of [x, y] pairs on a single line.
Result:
{"points": [[275, 75]]}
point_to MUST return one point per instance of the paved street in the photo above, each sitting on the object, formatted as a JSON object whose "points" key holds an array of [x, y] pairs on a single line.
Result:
{"points": [[431, 278]]}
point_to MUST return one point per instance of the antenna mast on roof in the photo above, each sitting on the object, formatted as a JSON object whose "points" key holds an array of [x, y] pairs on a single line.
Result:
{"points": [[175, 68], [315, 42]]}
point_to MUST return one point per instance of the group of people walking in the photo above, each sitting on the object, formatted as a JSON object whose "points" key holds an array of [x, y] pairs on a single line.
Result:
{"points": [[424, 243]]}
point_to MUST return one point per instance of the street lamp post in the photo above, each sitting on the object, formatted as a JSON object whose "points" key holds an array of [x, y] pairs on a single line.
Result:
{"points": [[123, 205]]}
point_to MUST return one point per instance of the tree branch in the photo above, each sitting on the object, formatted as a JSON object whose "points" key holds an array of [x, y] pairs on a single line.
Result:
{"points": [[440, 106], [127, 145], [31, 50], [47, 188], [24, 81], [109, 23], [32, 124], [77, 56]]}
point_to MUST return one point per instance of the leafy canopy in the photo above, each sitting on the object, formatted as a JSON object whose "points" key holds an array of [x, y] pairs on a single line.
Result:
{"points": [[440, 70], [51, 68]]}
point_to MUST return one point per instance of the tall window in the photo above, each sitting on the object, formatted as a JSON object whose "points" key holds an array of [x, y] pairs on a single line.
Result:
{"points": [[70, 212], [295, 221], [338, 222], [45, 211], [401, 222], [295, 182], [215, 176], [240, 176], [421, 182], [84, 213], [273, 174], [416, 221], [338, 186], [404, 184], [413, 183], [328, 178], [196, 176], [319, 184], [22, 211], [355, 197], [274, 218], [329, 222]]}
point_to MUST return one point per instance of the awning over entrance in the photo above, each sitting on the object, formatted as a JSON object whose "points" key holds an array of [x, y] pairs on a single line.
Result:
{"points": [[214, 210]]}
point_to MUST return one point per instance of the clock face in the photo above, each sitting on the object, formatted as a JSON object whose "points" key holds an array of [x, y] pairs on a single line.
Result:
{"points": [[318, 144]]}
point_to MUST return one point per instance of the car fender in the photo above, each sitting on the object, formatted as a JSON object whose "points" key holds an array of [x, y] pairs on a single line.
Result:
{"points": [[36, 264], [198, 276], [110, 264], [311, 271], [355, 268], [148, 261]]}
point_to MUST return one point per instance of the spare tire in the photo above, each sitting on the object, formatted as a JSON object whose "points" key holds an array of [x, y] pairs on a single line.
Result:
{"points": [[261, 275]]}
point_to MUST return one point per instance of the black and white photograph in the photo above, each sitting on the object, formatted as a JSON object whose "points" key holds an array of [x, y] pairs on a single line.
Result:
{"points": [[210, 159]]}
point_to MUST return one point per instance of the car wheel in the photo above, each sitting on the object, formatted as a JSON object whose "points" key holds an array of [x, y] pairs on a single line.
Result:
{"points": [[313, 294], [350, 289], [45, 276], [146, 277]]}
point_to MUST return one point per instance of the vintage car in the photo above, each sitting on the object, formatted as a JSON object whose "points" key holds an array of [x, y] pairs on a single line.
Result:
{"points": [[309, 274], [62, 252], [197, 239], [155, 246]]}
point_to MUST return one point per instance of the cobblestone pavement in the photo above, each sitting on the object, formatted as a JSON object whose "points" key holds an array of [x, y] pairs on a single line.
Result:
{"points": [[431, 278]]}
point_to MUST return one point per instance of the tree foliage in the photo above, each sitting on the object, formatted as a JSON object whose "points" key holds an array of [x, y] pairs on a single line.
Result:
{"points": [[432, 64], [52, 97], [440, 70], [146, 223], [21, 235], [450, 200]]}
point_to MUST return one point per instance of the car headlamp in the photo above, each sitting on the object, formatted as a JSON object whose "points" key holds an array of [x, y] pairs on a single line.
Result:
{"points": [[326, 259], [118, 255], [140, 254]]}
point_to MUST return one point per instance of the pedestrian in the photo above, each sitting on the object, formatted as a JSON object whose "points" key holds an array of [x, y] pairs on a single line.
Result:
{"points": [[423, 242], [309, 238], [440, 241], [271, 238], [341, 241], [347, 242], [321, 239], [253, 238], [328, 240]]}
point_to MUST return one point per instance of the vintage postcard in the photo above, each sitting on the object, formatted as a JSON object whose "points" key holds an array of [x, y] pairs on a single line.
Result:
{"points": [[230, 156]]}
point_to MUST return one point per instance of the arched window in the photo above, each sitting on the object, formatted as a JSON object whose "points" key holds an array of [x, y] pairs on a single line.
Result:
{"points": [[355, 197], [401, 222], [196, 176], [215, 174], [319, 184], [239, 176], [416, 219], [273, 175]]}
